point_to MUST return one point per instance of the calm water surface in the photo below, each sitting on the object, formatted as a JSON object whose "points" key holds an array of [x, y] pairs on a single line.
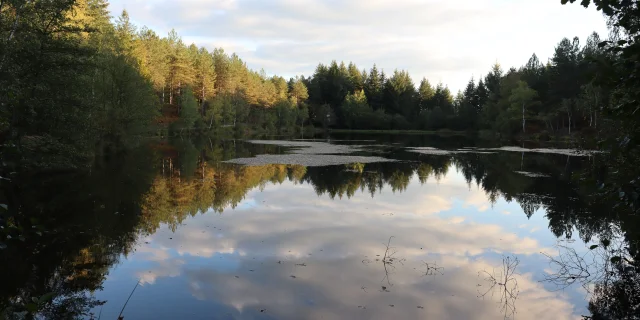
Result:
{"points": [[438, 235]]}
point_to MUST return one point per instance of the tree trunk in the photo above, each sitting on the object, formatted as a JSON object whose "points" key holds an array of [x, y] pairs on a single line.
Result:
{"points": [[523, 121], [179, 95], [171, 92], [202, 103]]}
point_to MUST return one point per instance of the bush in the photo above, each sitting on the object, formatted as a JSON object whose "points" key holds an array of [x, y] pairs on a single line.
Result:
{"points": [[399, 122], [200, 125], [544, 136]]}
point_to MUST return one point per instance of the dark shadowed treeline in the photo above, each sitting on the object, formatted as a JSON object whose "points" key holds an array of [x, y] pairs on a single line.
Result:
{"points": [[70, 82], [62, 233], [560, 95], [618, 178]]}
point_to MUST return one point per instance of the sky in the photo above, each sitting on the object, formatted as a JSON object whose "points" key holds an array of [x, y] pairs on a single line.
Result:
{"points": [[300, 255], [445, 41]]}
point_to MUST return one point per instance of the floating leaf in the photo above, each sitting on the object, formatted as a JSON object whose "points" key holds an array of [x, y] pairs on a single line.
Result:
{"points": [[606, 242], [616, 259], [593, 247]]}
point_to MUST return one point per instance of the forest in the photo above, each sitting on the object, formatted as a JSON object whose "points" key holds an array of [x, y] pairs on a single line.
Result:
{"points": [[77, 86], [77, 83]]}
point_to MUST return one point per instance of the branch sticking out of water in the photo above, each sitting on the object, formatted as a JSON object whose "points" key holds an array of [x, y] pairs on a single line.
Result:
{"points": [[433, 269], [503, 282], [125, 304], [595, 266]]}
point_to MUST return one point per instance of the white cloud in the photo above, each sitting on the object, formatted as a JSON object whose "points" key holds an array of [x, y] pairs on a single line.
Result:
{"points": [[443, 40], [334, 289], [243, 260]]}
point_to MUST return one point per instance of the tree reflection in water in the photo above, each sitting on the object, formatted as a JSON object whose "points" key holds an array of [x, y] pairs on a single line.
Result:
{"points": [[62, 244]]}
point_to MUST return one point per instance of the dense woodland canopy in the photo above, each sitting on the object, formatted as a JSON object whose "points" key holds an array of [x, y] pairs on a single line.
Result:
{"points": [[76, 80]]}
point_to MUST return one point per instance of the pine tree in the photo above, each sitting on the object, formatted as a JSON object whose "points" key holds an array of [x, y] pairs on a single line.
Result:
{"points": [[373, 88], [425, 95]]}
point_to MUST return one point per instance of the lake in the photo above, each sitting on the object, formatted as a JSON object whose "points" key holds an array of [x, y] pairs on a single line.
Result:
{"points": [[339, 227]]}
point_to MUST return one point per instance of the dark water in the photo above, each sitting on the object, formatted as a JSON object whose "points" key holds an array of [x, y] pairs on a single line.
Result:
{"points": [[464, 235]]}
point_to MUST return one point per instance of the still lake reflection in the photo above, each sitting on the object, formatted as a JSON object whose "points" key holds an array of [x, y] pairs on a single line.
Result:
{"points": [[442, 235]]}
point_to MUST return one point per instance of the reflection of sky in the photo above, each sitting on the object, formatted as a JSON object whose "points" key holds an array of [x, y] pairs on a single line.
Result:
{"points": [[242, 263]]}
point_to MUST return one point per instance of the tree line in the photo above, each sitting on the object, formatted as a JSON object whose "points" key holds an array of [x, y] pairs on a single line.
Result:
{"points": [[560, 95], [73, 79], [74, 84]]}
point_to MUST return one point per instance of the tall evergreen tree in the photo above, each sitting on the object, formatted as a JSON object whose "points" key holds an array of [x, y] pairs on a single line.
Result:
{"points": [[425, 95], [373, 88]]}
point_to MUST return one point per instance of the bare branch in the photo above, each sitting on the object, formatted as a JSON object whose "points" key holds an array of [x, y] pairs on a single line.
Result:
{"points": [[433, 269], [503, 283], [591, 267]]}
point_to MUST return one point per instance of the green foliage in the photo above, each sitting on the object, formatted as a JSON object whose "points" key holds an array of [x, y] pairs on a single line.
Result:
{"points": [[425, 94], [353, 110], [93, 81], [302, 115], [71, 77], [521, 98], [286, 115], [374, 87], [399, 94], [298, 92], [188, 109]]}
